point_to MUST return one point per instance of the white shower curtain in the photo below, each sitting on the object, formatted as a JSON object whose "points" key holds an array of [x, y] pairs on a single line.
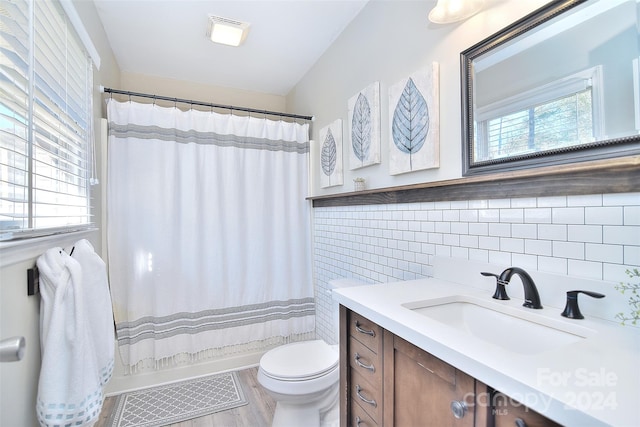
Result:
{"points": [[208, 232]]}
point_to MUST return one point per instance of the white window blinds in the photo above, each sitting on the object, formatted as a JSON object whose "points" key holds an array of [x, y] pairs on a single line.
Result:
{"points": [[546, 118], [555, 124], [45, 121]]}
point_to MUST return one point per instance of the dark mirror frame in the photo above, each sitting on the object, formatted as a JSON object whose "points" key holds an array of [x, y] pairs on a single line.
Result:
{"points": [[604, 149]]}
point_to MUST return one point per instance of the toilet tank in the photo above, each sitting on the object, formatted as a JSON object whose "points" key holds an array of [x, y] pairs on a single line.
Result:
{"points": [[335, 307]]}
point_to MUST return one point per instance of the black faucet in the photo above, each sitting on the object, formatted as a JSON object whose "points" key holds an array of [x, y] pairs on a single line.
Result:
{"points": [[531, 296], [571, 309], [501, 292]]}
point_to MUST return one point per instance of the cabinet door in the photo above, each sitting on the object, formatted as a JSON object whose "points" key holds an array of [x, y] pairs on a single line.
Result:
{"points": [[425, 388], [510, 413]]}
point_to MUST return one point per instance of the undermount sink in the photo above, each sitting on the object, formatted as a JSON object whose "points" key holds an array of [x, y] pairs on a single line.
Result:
{"points": [[508, 327]]}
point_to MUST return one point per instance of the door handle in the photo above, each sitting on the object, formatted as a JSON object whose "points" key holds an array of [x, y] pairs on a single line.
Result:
{"points": [[12, 349]]}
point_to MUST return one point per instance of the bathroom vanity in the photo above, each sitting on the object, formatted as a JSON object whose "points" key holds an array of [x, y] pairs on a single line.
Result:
{"points": [[403, 364], [389, 381]]}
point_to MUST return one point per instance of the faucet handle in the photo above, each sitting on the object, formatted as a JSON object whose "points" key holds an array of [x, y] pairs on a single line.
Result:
{"points": [[572, 310], [501, 291]]}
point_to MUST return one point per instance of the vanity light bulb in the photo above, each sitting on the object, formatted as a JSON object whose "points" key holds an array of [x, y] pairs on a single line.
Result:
{"points": [[454, 7], [448, 11]]}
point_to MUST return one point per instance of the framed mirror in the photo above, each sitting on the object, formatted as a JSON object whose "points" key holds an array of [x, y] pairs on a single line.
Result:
{"points": [[561, 85]]}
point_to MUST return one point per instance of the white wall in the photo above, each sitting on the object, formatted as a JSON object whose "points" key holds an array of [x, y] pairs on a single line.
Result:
{"points": [[386, 42], [595, 236], [200, 92]]}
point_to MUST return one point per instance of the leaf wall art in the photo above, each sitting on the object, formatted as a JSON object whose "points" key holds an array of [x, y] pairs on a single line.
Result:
{"points": [[364, 127], [331, 155], [414, 122]]}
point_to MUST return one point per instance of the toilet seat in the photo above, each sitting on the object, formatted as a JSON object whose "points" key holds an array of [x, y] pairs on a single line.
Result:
{"points": [[299, 361]]}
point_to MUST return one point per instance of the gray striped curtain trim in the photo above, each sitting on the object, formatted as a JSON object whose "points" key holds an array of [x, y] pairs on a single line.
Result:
{"points": [[209, 320], [210, 138]]}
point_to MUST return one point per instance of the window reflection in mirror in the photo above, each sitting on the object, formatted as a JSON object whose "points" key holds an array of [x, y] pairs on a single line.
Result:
{"points": [[558, 90]]}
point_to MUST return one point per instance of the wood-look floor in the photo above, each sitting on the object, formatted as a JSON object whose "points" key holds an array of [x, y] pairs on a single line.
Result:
{"points": [[257, 413]]}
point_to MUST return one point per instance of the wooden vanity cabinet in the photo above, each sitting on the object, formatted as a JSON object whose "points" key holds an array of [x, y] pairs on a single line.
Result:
{"points": [[387, 381], [425, 388], [508, 412], [361, 369]]}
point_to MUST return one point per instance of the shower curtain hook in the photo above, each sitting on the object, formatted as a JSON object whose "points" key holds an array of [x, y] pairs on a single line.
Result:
{"points": [[154, 100]]}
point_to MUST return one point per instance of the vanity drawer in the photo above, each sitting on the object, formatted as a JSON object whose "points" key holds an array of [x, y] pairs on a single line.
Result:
{"points": [[366, 331], [364, 361], [366, 395], [359, 418], [426, 361]]}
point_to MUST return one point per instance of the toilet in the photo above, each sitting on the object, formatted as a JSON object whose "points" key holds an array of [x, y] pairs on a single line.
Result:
{"points": [[303, 377]]}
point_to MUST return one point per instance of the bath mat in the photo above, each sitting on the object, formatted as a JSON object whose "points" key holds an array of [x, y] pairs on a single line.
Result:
{"points": [[176, 402]]}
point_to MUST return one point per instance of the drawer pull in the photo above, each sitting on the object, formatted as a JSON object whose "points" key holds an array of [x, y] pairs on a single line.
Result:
{"points": [[356, 357], [364, 331], [364, 399], [358, 421]]}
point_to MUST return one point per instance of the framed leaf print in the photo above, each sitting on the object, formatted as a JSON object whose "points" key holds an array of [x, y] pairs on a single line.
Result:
{"points": [[331, 155], [364, 127], [414, 122]]}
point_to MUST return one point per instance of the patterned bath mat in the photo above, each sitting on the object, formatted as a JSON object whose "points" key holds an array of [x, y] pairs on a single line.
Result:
{"points": [[176, 402]]}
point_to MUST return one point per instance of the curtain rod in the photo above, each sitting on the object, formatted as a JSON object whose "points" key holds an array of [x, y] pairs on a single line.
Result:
{"points": [[204, 104]]}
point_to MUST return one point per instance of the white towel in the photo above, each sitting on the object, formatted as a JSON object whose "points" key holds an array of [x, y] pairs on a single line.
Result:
{"points": [[98, 305], [69, 389]]}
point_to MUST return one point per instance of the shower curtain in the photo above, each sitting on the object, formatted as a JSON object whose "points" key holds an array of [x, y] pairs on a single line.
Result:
{"points": [[208, 233]]}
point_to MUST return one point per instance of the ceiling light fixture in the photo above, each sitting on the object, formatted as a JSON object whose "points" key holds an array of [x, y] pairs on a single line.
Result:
{"points": [[227, 31], [448, 11]]}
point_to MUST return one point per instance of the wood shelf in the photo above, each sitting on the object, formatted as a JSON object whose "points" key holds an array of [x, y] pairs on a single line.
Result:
{"points": [[620, 175]]}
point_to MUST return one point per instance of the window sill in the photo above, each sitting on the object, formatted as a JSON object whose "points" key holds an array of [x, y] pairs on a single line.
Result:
{"points": [[16, 251]]}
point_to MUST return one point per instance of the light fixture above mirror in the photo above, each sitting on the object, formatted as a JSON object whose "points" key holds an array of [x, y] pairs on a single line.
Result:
{"points": [[448, 11]]}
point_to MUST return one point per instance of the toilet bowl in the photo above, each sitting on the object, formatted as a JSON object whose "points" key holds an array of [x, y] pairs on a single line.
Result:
{"points": [[303, 378]]}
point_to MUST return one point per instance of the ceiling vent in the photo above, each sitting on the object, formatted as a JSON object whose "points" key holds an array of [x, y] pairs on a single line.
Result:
{"points": [[227, 31]]}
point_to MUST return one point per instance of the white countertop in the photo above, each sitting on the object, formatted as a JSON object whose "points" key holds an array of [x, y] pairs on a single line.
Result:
{"points": [[593, 382]]}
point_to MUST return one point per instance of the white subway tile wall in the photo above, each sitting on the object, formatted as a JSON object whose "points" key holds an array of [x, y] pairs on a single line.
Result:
{"points": [[593, 236]]}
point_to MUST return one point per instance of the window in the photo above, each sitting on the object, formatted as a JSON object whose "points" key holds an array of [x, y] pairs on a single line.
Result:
{"points": [[557, 115], [45, 121]]}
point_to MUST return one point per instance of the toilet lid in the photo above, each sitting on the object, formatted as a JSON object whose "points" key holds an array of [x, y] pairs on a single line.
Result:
{"points": [[300, 360]]}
